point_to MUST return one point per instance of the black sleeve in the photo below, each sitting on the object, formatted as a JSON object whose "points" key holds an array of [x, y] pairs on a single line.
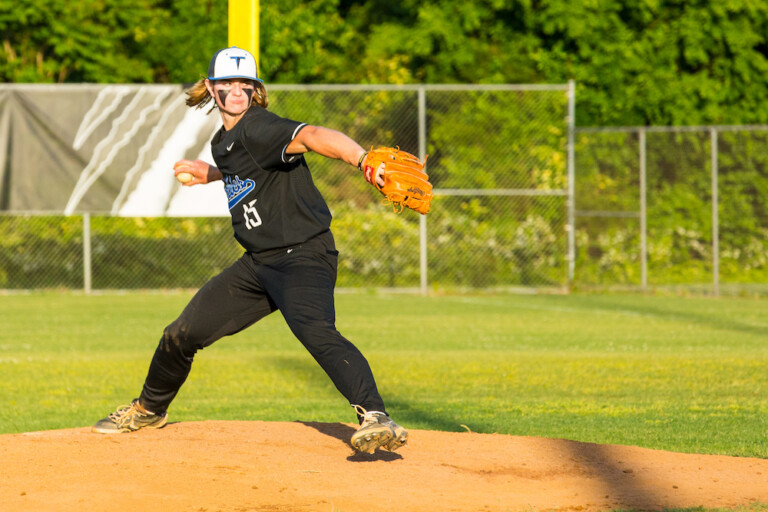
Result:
{"points": [[267, 135]]}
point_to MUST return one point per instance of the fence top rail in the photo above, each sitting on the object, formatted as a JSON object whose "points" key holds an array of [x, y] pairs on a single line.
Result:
{"points": [[52, 213], [417, 87], [498, 192], [81, 86], [318, 87], [99, 213], [673, 129]]}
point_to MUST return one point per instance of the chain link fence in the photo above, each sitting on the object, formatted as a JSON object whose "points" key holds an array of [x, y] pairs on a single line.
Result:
{"points": [[498, 159], [673, 207], [652, 207]]}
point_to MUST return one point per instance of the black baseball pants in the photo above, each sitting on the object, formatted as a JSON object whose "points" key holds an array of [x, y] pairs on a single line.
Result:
{"points": [[299, 281]]}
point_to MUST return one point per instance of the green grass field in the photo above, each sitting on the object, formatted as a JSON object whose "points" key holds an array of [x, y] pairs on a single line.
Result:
{"points": [[681, 374]]}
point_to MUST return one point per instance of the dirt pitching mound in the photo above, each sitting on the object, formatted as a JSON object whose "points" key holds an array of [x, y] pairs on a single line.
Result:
{"points": [[260, 466]]}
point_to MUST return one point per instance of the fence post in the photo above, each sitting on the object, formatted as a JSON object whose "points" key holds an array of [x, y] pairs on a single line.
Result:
{"points": [[423, 218], [643, 214], [87, 252], [715, 216], [571, 185]]}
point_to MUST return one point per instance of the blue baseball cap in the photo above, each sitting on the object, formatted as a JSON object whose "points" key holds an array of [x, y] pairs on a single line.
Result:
{"points": [[233, 62]]}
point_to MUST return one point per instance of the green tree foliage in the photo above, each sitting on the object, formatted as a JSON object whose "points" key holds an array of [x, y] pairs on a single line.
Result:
{"points": [[180, 48], [308, 41], [636, 62], [662, 62], [108, 41], [77, 41], [447, 41]]}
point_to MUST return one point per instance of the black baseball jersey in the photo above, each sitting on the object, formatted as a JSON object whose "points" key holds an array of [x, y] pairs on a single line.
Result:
{"points": [[272, 198]]}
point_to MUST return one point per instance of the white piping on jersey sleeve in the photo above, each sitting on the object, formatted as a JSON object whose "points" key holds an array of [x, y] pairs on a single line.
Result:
{"points": [[292, 157]]}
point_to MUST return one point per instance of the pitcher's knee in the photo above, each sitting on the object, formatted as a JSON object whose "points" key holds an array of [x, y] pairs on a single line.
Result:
{"points": [[176, 338]]}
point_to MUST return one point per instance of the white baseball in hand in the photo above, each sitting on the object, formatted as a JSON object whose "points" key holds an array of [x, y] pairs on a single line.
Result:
{"points": [[184, 177]]}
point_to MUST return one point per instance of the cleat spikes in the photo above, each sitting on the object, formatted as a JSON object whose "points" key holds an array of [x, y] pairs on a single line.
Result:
{"points": [[377, 430]]}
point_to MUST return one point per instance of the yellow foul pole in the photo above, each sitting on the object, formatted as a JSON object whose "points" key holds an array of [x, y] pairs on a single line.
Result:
{"points": [[244, 25]]}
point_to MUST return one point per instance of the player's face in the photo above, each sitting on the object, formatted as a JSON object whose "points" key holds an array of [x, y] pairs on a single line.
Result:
{"points": [[233, 95]]}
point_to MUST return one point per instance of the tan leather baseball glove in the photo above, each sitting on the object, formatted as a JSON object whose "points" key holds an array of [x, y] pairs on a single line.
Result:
{"points": [[405, 181]]}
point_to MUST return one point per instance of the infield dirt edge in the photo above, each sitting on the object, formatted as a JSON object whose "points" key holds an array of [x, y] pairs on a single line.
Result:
{"points": [[308, 466]]}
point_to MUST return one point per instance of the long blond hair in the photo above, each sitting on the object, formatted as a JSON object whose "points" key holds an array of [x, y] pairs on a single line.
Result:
{"points": [[198, 95]]}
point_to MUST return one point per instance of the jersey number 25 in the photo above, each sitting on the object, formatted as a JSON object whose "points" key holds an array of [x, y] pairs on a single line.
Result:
{"points": [[252, 219]]}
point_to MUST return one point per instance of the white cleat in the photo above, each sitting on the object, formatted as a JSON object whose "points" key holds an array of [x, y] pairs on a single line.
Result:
{"points": [[377, 431]]}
